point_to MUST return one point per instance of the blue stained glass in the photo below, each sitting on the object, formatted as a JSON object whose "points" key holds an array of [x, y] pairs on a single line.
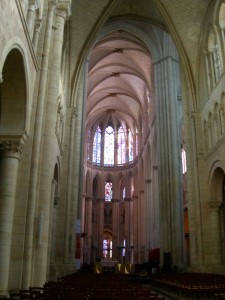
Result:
{"points": [[121, 145], [184, 162], [109, 146], [124, 193], [108, 191], [130, 146], [97, 146], [89, 145]]}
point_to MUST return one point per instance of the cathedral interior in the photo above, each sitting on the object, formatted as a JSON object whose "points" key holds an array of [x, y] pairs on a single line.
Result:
{"points": [[112, 136]]}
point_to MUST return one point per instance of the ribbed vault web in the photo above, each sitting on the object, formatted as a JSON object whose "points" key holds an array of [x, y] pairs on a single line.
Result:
{"points": [[119, 81]]}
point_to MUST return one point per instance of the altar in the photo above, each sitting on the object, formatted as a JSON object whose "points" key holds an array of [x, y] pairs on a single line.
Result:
{"points": [[112, 265], [108, 265]]}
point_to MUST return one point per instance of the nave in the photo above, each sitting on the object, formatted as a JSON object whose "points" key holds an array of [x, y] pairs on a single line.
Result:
{"points": [[89, 285], [120, 286]]}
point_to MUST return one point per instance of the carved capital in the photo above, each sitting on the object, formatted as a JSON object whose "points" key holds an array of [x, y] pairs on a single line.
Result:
{"points": [[88, 198], [52, 5], [11, 145], [13, 148], [33, 5], [100, 200], [127, 199], [37, 25], [115, 200], [63, 10], [215, 204]]}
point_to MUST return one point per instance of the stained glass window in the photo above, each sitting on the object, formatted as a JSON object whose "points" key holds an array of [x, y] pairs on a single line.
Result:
{"points": [[89, 145], [109, 146], [97, 146], [136, 141], [130, 145], [124, 248], [104, 254], [121, 145], [108, 191], [124, 193], [124, 148], [184, 163], [107, 248]]}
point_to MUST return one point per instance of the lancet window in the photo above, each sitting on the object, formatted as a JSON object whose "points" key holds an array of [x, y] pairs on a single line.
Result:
{"points": [[97, 146], [112, 145], [108, 191]]}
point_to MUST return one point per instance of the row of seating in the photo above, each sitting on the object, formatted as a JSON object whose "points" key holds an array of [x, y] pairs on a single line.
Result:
{"points": [[191, 285], [90, 286]]}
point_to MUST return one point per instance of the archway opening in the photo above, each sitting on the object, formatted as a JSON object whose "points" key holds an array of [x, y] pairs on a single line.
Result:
{"points": [[13, 95]]}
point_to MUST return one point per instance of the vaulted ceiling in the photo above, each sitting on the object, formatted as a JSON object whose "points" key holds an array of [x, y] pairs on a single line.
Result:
{"points": [[120, 74], [119, 79]]}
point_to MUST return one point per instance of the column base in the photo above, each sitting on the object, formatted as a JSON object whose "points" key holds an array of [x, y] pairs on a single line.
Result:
{"points": [[214, 269], [4, 295], [58, 270]]}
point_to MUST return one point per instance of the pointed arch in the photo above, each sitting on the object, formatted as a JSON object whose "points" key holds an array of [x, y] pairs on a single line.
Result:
{"points": [[88, 184], [13, 101], [96, 187]]}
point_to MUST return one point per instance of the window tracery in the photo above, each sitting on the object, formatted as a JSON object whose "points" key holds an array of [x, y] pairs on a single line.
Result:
{"points": [[112, 145], [96, 156], [109, 146], [121, 144], [215, 50], [108, 191]]}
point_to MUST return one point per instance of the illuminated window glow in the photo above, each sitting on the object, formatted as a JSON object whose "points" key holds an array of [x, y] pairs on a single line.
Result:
{"points": [[121, 145], [109, 146], [184, 163], [108, 191], [96, 157]]}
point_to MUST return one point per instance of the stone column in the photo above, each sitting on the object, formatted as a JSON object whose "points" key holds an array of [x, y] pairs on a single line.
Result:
{"points": [[37, 28], [31, 16], [33, 184], [135, 230], [167, 126], [72, 187], [127, 222], [141, 239], [210, 137], [115, 227], [11, 151], [100, 216], [150, 216], [215, 129], [221, 117], [50, 143], [206, 138], [52, 238], [215, 243], [131, 259], [88, 228]]}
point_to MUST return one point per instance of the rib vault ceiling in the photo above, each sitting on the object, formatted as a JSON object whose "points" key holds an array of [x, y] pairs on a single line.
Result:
{"points": [[120, 75], [119, 79]]}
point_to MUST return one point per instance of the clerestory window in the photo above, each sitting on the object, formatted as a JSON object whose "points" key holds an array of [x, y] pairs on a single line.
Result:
{"points": [[112, 145]]}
